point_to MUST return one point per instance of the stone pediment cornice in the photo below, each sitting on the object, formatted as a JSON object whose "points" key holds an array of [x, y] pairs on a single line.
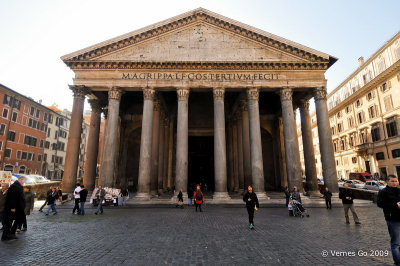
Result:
{"points": [[196, 16], [198, 65]]}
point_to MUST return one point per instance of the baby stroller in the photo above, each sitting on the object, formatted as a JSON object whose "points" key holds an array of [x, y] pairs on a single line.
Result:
{"points": [[297, 209]]}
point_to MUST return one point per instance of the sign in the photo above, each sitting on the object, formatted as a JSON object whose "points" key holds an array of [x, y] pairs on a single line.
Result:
{"points": [[201, 76], [5, 177]]}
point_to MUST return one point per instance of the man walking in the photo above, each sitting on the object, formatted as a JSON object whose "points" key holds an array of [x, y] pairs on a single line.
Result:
{"points": [[45, 202], [100, 194], [328, 197], [389, 201], [51, 202], [347, 199], [83, 195], [77, 199], [3, 193], [14, 209], [251, 204]]}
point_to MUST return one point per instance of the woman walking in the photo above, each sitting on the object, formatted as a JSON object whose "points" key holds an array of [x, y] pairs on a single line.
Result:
{"points": [[251, 204], [198, 197]]}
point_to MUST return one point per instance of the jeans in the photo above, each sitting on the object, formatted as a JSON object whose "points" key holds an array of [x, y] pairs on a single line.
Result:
{"points": [[82, 210], [250, 211], [100, 206], [51, 207], [394, 232], [76, 207], [353, 211], [328, 203]]}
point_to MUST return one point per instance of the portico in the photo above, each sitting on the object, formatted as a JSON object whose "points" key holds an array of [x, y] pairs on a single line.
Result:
{"points": [[201, 76]]}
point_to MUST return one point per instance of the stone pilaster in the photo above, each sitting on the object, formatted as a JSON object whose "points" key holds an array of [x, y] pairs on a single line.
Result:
{"points": [[181, 178], [110, 138], [292, 153], [74, 138], [92, 145], [239, 124], [325, 141], [257, 167], [220, 174], [155, 148], [308, 149], [246, 145], [145, 145]]}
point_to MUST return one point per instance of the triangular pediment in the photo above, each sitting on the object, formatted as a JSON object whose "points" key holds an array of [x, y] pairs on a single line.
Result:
{"points": [[199, 36]]}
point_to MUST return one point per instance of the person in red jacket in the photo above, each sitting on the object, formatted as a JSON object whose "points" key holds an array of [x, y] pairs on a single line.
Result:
{"points": [[198, 197]]}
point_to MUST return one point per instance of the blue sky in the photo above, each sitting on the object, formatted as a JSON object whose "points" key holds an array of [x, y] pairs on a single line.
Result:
{"points": [[35, 34]]}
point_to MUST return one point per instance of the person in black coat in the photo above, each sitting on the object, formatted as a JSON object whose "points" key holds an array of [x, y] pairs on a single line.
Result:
{"points": [[251, 204], [328, 197], [51, 201], [287, 195], [347, 199], [83, 196], [389, 201], [14, 209]]}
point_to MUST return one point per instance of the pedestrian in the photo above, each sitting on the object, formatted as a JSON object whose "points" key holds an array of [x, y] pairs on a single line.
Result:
{"points": [[328, 197], [124, 195], [51, 202], [29, 204], [77, 199], [45, 202], [347, 199], [59, 195], [198, 197], [100, 194], [190, 196], [295, 195], [180, 199], [251, 204], [287, 195], [3, 194], [83, 196], [389, 201], [14, 209]]}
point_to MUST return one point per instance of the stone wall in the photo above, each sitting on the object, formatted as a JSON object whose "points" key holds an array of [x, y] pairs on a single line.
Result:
{"points": [[41, 189]]}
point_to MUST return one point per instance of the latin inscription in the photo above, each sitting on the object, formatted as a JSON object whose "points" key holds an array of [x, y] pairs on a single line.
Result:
{"points": [[201, 76]]}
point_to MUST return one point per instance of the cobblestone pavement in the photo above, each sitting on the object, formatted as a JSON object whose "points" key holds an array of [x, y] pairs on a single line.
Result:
{"points": [[217, 236]]}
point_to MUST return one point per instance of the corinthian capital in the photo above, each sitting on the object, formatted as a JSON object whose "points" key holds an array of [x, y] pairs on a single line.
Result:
{"points": [[286, 94], [253, 93], [218, 93], [320, 94], [149, 93], [183, 94], [79, 91], [115, 93], [95, 105], [304, 104]]}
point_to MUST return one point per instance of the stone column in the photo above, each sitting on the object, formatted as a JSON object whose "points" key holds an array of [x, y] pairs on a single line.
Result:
{"points": [[74, 139], [235, 155], [229, 150], [308, 149], [219, 145], [110, 138], [166, 153], [240, 152], [325, 141], [92, 145], [155, 148], [246, 145], [372, 163], [161, 154], [170, 166], [292, 152], [145, 145], [257, 167], [182, 141]]}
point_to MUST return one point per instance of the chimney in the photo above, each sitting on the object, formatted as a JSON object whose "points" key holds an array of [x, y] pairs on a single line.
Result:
{"points": [[360, 61]]}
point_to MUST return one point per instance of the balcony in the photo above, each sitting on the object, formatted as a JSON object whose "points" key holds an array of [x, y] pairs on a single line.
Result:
{"points": [[363, 147]]}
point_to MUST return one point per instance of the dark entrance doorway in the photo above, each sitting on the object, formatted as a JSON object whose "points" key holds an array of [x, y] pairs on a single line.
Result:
{"points": [[201, 162]]}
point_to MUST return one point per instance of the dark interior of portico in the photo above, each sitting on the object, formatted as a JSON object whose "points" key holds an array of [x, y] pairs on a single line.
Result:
{"points": [[201, 162]]}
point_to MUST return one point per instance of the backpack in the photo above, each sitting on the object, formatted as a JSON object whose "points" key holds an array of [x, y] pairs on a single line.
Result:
{"points": [[198, 195]]}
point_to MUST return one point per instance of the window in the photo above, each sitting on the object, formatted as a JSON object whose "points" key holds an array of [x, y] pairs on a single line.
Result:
{"points": [[55, 134], [39, 157], [7, 153], [5, 113], [361, 117], [29, 156], [354, 159], [48, 132], [370, 95], [372, 111], [363, 137], [41, 143], [7, 99], [351, 141], [339, 126], [358, 103], [50, 118], [348, 109], [375, 133], [22, 169], [19, 153], [396, 153], [385, 86], [45, 157], [60, 146], [62, 134], [335, 146], [32, 111], [52, 158], [47, 144], [45, 115], [37, 113], [350, 122], [24, 155], [31, 141], [388, 103], [391, 127], [333, 130], [2, 129], [342, 144], [339, 114], [11, 136], [380, 156], [14, 116], [1, 145]]}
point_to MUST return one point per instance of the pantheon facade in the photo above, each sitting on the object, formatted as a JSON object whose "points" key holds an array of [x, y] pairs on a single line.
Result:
{"points": [[199, 98]]}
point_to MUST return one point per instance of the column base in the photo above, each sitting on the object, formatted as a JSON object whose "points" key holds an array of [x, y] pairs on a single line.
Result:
{"points": [[262, 195], [314, 194], [335, 194], [142, 196], [221, 196], [153, 192]]}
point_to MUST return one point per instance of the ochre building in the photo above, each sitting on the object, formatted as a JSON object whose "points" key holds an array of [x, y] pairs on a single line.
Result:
{"points": [[199, 98]]}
